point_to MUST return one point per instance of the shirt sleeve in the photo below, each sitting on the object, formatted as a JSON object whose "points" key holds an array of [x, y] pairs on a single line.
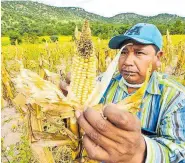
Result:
{"points": [[169, 146]]}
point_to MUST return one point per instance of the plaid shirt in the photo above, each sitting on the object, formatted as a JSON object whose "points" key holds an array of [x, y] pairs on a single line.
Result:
{"points": [[162, 116]]}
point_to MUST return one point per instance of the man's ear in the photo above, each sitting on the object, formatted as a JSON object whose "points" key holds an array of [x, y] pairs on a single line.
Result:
{"points": [[159, 55]]}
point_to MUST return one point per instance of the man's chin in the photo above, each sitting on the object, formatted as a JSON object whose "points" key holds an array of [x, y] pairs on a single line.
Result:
{"points": [[132, 79]]}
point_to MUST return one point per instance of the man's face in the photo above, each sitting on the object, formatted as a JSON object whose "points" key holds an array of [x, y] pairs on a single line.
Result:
{"points": [[134, 61]]}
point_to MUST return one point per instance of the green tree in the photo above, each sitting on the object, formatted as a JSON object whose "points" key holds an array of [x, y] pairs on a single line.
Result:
{"points": [[178, 27], [15, 36], [30, 38], [54, 38]]}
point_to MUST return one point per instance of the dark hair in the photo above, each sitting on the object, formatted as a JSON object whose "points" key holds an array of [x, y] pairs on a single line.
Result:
{"points": [[135, 42], [155, 48]]}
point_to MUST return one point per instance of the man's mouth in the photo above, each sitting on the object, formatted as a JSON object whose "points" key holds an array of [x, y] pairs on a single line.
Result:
{"points": [[124, 72]]}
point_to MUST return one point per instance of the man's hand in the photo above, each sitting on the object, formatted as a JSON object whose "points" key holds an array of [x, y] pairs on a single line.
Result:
{"points": [[64, 84], [116, 139]]}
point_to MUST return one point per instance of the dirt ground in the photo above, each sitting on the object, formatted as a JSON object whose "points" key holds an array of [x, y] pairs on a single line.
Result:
{"points": [[11, 128]]}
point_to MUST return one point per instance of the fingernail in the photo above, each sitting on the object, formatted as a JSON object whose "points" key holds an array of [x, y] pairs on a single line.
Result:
{"points": [[77, 114]]}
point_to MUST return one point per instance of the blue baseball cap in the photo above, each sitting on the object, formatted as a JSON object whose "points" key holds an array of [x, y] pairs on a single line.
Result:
{"points": [[142, 33]]}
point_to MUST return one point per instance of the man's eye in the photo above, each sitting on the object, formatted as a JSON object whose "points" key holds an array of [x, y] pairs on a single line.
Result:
{"points": [[139, 53], [124, 52]]}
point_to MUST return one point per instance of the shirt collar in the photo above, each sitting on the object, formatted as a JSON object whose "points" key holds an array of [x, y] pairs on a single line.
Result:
{"points": [[153, 85], [152, 88], [122, 85]]}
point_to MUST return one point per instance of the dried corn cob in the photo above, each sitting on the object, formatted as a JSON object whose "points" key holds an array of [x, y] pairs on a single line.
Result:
{"points": [[84, 66], [83, 73]]}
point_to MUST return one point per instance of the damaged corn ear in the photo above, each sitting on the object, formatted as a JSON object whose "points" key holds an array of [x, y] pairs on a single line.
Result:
{"points": [[83, 78], [132, 103], [84, 66]]}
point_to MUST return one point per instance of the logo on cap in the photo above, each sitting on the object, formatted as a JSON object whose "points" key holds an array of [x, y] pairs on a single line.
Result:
{"points": [[134, 31]]}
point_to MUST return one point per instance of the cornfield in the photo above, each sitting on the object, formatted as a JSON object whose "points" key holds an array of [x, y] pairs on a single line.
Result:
{"points": [[31, 74]]}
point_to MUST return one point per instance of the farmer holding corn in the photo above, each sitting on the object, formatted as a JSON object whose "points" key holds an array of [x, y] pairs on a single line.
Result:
{"points": [[156, 134]]}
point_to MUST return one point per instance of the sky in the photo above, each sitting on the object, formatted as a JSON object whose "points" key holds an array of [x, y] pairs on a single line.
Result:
{"points": [[110, 8]]}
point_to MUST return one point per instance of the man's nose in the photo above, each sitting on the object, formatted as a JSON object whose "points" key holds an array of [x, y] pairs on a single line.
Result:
{"points": [[129, 60]]}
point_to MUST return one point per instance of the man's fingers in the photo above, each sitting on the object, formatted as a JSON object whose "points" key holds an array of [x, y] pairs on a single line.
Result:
{"points": [[68, 78], [122, 119], [95, 136], [63, 87], [97, 121], [64, 84], [94, 151]]}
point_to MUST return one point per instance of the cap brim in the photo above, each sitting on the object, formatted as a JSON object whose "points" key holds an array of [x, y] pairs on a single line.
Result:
{"points": [[117, 41]]}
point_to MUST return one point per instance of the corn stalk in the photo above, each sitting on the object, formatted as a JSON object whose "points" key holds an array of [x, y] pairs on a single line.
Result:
{"points": [[168, 58], [7, 85]]}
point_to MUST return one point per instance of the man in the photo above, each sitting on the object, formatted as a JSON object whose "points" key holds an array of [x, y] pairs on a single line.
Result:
{"points": [[157, 133]]}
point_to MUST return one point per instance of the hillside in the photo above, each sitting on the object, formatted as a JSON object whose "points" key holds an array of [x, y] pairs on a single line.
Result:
{"points": [[131, 18], [23, 16]]}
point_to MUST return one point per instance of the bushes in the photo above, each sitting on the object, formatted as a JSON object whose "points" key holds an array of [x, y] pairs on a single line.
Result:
{"points": [[54, 38], [30, 38], [15, 36]]}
